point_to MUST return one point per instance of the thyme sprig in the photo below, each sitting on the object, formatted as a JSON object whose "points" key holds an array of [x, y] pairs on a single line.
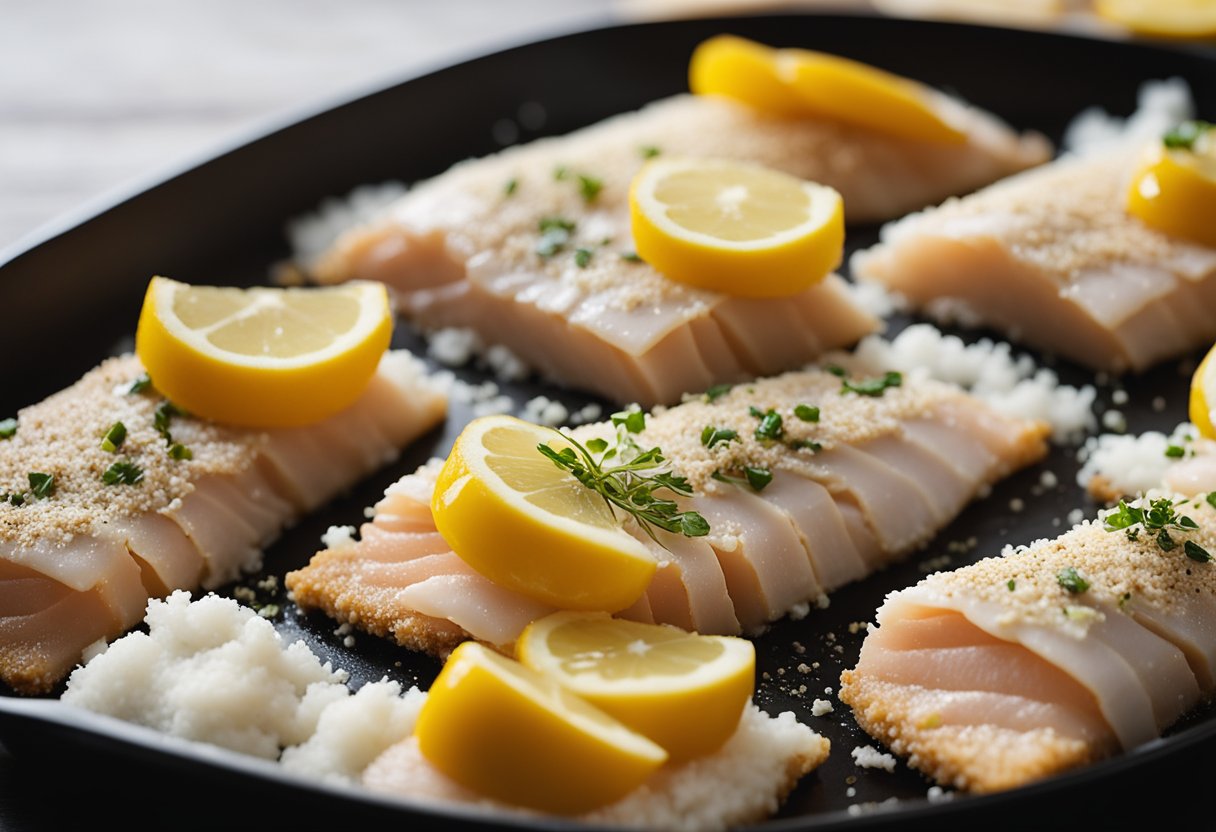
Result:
{"points": [[627, 477], [1161, 517]]}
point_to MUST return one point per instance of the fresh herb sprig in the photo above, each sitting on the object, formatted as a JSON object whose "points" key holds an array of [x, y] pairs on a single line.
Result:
{"points": [[630, 482], [1184, 136], [1161, 517]]}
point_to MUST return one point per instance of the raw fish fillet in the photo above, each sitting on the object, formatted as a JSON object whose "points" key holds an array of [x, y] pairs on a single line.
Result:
{"points": [[81, 564], [1052, 258], [741, 783], [890, 472], [460, 251], [998, 674]]}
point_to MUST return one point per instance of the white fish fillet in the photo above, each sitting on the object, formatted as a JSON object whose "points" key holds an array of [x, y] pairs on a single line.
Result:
{"points": [[459, 251], [820, 523], [998, 673], [1051, 257], [81, 564]]}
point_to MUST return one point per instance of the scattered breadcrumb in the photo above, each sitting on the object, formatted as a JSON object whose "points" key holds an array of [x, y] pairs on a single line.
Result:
{"points": [[867, 756], [820, 707], [336, 537]]}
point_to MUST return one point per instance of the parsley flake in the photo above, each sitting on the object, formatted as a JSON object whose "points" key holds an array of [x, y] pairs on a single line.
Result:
{"points": [[1196, 552], [1071, 580], [631, 257], [771, 427], [1011, 584], [807, 413], [8, 428], [141, 383], [753, 475], [114, 437], [582, 257], [649, 151], [633, 419], [554, 235], [1175, 451], [589, 187], [1184, 136], [123, 472], [717, 391], [179, 452], [41, 485], [711, 436], [511, 187], [872, 386]]}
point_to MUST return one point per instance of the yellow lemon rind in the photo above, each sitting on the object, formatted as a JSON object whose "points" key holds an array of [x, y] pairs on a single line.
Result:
{"points": [[516, 738], [242, 391], [687, 717], [1172, 194], [551, 559]]}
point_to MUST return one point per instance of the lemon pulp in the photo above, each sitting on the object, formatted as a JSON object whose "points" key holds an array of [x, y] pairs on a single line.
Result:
{"points": [[531, 527], [263, 357], [735, 228], [684, 691]]}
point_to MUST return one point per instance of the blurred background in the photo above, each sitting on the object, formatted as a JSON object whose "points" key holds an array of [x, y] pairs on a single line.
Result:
{"points": [[99, 96]]}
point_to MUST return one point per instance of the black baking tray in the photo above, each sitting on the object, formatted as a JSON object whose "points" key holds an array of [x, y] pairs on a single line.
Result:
{"points": [[72, 296]]}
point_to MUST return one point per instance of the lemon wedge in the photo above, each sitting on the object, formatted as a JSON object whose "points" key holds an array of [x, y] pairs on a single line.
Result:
{"points": [[684, 691], [530, 526], [1163, 18], [1203, 395], [1174, 191], [802, 82], [505, 731], [263, 357], [736, 228]]}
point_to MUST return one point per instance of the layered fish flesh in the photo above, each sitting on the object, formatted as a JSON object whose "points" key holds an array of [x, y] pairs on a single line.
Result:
{"points": [[1053, 655], [177, 504], [532, 247], [1052, 258], [868, 479]]}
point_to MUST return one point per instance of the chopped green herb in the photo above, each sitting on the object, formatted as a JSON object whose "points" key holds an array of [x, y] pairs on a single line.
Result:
{"points": [[1011, 584], [720, 390], [597, 446], [836, 370], [589, 187], [1196, 552], [631, 483], [649, 151], [1127, 596], [41, 485], [631, 257], [16, 499], [114, 437], [554, 235], [1166, 542], [511, 186], [561, 172], [805, 444], [163, 415], [1184, 136], [755, 411], [142, 383], [753, 475], [807, 413], [872, 386], [179, 452], [771, 427], [1175, 451], [1159, 517], [8, 428], [123, 472], [582, 257], [1211, 498], [1071, 580], [711, 436]]}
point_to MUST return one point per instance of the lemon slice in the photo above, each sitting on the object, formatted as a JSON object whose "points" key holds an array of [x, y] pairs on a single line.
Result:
{"points": [[530, 526], [263, 357], [501, 729], [1164, 18], [1203, 395], [735, 228], [684, 691], [801, 82], [1174, 190], [745, 71]]}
